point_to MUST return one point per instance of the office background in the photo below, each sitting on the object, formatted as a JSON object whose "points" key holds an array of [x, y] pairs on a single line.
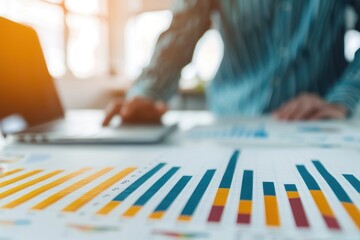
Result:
{"points": [[96, 48]]}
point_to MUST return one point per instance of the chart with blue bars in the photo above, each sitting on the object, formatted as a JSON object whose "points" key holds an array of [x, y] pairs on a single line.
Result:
{"points": [[193, 193]]}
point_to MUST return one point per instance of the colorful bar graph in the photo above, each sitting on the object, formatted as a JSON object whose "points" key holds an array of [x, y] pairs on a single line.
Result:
{"points": [[91, 194], [44, 188], [223, 191], [340, 193], [129, 190], [138, 205], [353, 181], [19, 178], [63, 193], [165, 204], [29, 184], [8, 173], [296, 206], [246, 196], [271, 205], [196, 196], [319, 198]]}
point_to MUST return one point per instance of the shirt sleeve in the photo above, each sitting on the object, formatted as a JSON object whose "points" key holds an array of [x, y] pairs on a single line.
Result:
{"points": [[347, 91], [174, 50]]}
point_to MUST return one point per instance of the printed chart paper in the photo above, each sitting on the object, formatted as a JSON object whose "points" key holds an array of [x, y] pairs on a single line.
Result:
{"points": [[184, 193], [271, 133]]}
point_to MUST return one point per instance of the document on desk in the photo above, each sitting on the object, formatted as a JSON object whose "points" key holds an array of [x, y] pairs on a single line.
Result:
{"points": [[271, 133], [184, 193]]}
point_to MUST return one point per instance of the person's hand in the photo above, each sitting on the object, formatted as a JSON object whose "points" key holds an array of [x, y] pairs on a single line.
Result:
{"points": [[135, 111], [310, 107]]}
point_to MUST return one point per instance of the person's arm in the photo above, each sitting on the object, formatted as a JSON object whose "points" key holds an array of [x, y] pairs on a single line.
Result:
{"points": [[145, 101], [339, 103], [174, 50], [347, 91]]}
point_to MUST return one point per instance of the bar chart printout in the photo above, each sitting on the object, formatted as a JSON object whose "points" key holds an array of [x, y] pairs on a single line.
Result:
{"points": [[271, 205], [223, 191], [91, 194], [169, 199], [27, 184], [108, 208], [134, 209], [63, 193], [196, 196], [353, 181], [246, 198], [44, 188], [296, 206], [340, 193], [319, 198]]}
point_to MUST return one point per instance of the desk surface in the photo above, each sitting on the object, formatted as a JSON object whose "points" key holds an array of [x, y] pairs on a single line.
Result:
{"points": [[228, 178]]}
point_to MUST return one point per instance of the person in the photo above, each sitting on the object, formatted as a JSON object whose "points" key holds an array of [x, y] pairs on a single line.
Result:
{"points": [[284, 57]]}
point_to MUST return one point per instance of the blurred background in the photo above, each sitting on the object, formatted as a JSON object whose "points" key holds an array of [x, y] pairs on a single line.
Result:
{"points": [[95, 49]]}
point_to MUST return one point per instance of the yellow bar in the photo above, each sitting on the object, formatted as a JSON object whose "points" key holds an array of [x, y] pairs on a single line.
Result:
{"points": [[353, 212], [87, 197], [292, 195], [63, 193], [11, 172], [19, 178], [245, 207], [221, 197], [108, 208], [271, 211], [322, 203], [184, 218], [132, 211], [44, 188], [157, 215], [28, 184]]}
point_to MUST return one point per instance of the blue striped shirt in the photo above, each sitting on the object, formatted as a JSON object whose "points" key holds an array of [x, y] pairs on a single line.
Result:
{"points": [[274, 50]]}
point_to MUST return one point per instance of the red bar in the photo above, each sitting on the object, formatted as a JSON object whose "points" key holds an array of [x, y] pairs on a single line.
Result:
{"points": [[298, 212], [215, 214], [331, 222], [244, 218]]}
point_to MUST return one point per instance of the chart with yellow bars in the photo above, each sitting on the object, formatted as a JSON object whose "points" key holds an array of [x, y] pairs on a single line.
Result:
{"points": [[229, 188]]}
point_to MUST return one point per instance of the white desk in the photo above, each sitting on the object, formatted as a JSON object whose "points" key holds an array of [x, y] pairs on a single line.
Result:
{"points": [[274, 164]]}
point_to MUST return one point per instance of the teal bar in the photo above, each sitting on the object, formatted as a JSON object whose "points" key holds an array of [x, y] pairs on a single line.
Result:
{"points": [[173, 194], [269, 189], [353, 181], [156, 187], [133, 187], [332, 182], [198, 193], [229, 172]]}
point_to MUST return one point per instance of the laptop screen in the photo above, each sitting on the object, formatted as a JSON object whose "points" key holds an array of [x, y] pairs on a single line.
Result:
{"points": [[27, 91]]}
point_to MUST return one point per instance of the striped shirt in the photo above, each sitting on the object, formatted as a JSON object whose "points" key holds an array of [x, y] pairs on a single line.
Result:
{"points": [[274, 50]]}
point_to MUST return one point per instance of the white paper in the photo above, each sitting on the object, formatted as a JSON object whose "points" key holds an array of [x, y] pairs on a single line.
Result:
{"points": [[268, 165]]}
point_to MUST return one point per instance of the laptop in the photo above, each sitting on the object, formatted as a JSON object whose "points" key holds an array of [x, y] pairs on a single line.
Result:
{"points": [[30, 108]]}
